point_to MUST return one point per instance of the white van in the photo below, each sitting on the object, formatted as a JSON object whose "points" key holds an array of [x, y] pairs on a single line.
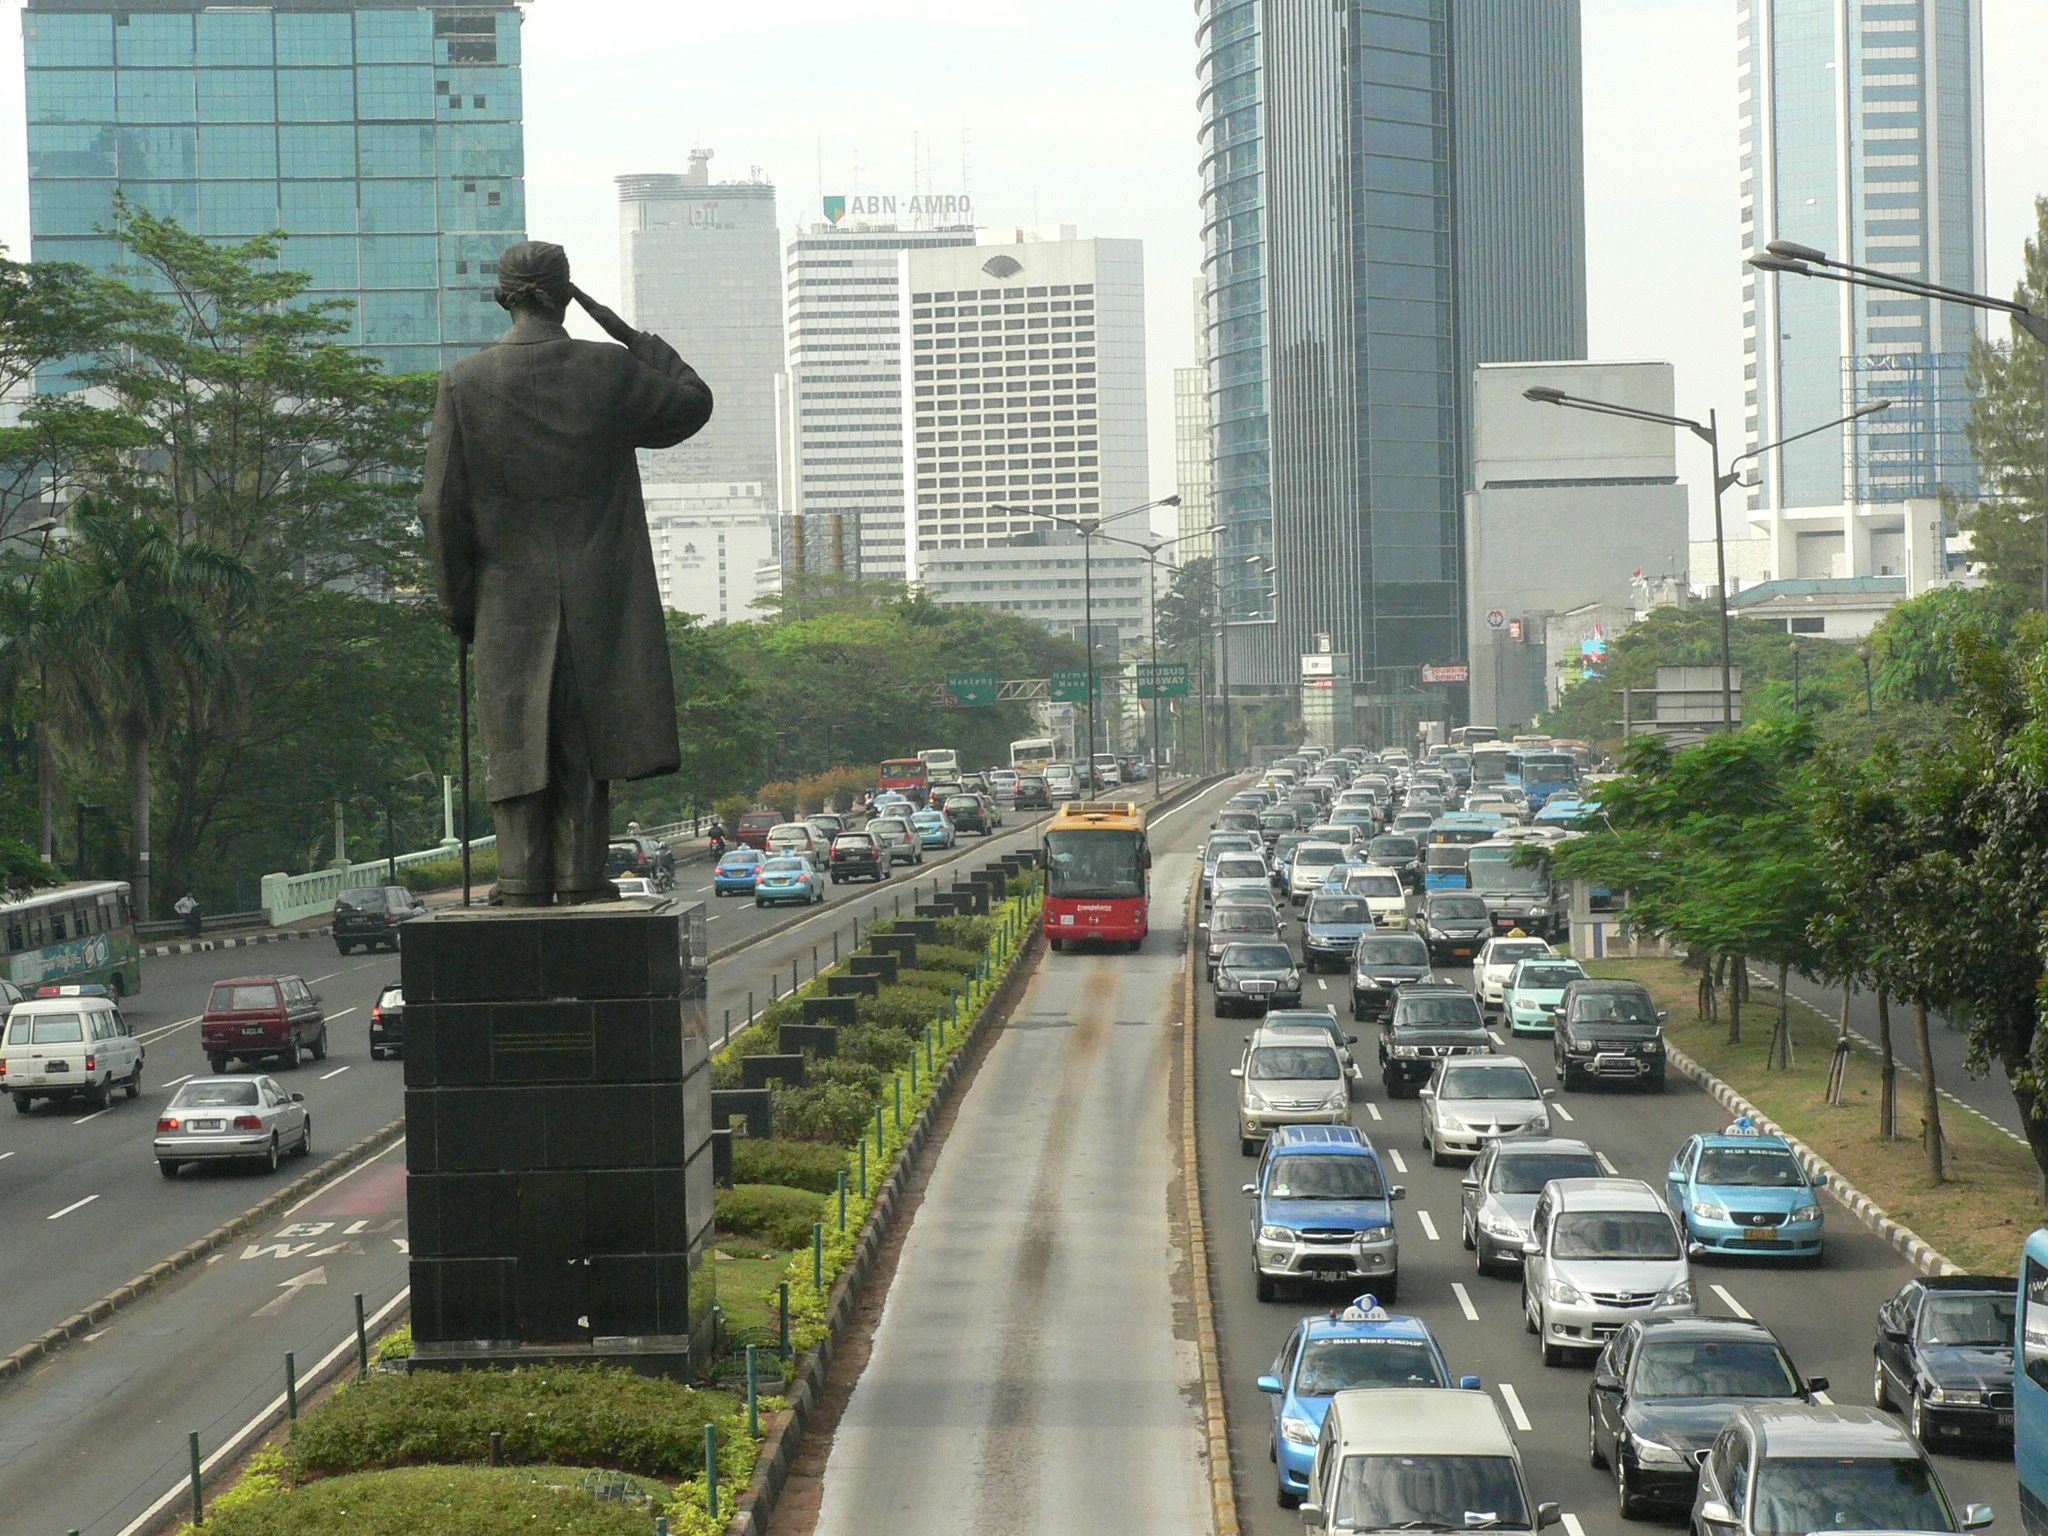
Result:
{"points": [[68, 1047], [1061, 782], [1418, 1458]]}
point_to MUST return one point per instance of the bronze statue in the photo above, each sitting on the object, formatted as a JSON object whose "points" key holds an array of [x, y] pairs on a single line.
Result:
{"points": [[541, 560]]}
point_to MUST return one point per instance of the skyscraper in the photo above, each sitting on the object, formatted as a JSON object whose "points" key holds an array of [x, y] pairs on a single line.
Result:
{"points": [[1862, 134], [700, 266], [1191, 445], [384, 139], [842, 411], [1348, 310]]}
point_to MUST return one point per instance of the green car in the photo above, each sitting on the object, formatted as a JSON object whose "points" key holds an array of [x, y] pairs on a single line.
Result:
{"points": [[1532, 994]]}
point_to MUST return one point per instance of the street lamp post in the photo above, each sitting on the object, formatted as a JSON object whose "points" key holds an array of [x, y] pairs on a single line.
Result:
{"points": [[1863, 652], [1795, 675], [1788, 258], [1709, 433], [1151, 553]]}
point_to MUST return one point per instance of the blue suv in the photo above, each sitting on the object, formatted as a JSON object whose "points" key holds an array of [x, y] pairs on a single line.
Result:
{"points": [[1361, 1345], [1322, 1212]]}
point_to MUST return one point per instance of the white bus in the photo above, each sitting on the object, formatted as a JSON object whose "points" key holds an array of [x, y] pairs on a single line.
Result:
{"points": [[1034, 754], [941, 763]]}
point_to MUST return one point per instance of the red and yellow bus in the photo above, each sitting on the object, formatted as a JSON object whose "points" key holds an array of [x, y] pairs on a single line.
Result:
{"points": [[1098, 872], [908, 776]]}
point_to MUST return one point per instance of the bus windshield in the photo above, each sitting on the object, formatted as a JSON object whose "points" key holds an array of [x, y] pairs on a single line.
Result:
{"points": [[1495, 869], [1099, 862], [1549, 768]]}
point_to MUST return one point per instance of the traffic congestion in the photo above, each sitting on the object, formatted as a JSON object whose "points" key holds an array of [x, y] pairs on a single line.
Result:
{"points": [[1640, 1270]]}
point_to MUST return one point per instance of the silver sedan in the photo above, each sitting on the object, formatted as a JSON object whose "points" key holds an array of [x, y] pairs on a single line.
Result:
{"points": [[249, 1118]]}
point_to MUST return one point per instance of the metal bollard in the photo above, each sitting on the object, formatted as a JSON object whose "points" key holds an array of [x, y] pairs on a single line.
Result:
{"points": [[835, 941], [753, 1395], [362, 1342], [842, 1199], [497, 1451], [930, 1061], [814, 962], [750, 1005], [291, 1386], [897, 1083], [711, 1468], [198, 1482], [913, 1074], [818, 1256], [783, 1344], [863, 1167], [728, 1027], [878, 1131]]}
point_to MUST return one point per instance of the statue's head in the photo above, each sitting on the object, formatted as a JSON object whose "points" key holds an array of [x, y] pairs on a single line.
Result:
{"points": [[533, 279]]}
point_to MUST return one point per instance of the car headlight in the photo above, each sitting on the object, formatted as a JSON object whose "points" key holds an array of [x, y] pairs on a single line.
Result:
{"points": [[1706, 1210], [1654, 1453], [1539, 1124], [1294, 978], [1253, 1099], [1494, 1225], [1960, 1396], [1679, 1295], [1276, 1234], [1337, 1100], [1374, 1237], [1565, 1294], [1805, 1213], [1300, 1431], [1404, 1050]]}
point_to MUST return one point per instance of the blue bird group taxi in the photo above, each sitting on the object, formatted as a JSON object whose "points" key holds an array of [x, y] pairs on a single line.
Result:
{"points": [[1742, 1191]]}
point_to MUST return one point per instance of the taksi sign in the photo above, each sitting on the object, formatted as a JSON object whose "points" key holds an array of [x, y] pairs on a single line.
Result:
{"points": [[931, 208]]}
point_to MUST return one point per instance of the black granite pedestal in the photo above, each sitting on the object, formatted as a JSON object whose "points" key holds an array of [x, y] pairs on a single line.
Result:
{"points": [[558, 1123]]}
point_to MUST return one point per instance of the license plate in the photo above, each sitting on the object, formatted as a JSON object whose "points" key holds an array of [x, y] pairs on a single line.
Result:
{"points": [[2005, 1419], [252, 1029], [1326, 1272], [202, 1125], [1761, 1234], [53, 1066], [1461, 949]]}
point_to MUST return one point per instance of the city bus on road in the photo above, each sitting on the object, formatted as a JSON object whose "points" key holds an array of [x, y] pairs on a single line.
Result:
{"points": [[1495, 764], [1467, 736], [1517, 887], [1098, 873], [77, 933], [1034, 754], [2030, 1385], [907, 776], [941, 763]]}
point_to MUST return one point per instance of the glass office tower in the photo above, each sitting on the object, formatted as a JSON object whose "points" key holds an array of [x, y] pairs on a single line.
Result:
{"points": [[383, 136], [1862, 134], [1393, 194]]}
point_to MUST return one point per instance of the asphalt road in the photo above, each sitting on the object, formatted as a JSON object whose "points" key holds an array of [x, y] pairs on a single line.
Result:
{"points": [[1036, 1326], [87, 1211], [1825, 1316]]}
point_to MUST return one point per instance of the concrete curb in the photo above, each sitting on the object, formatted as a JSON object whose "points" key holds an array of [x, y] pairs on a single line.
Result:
{"points": [[242, 941], [1222, 1487], [1902, 1240], [127, 1295]]}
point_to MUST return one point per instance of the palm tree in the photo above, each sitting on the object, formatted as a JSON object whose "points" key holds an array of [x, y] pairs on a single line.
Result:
{"points": [[140, 609]]}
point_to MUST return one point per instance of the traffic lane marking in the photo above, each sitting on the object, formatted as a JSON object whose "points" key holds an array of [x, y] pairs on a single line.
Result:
{"points": [[1731, 1303], [343, 1014], [1373, 1109], [1465, 1301], [1509, 1396], [82, 1119], [173, 1082], [1428, 1226], [76, 1205], [1400, 1164], [1568, 1520], [324, 1076], [1562, 1113]]}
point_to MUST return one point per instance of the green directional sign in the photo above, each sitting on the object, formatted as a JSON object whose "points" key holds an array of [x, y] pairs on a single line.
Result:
{"points": [[1069, 685], [1166, 680], [969, 688]]}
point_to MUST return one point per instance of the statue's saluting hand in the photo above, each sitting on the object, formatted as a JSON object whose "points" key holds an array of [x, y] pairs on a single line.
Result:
{"points": [[606, 318]]}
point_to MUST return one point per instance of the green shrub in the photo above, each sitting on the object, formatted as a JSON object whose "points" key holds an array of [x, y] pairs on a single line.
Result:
{"points": [[449, 1501], [574, 1416], [768, 1211], [945, 957], [879, 1048], [758, 1038], [846, 1068], [829, 1112], [795, 1164], [730, 808], [969, 933], [446, 874], [901, 1007], [944, 983]]}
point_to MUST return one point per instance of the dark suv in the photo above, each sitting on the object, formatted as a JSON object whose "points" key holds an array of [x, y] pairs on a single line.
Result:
{"points": [[1611, 1030], [856, 855], [1382, 966], [967, 813], [253, 1017], [1033, 793], [641, 858], [1431, 1020], [369, 916]]}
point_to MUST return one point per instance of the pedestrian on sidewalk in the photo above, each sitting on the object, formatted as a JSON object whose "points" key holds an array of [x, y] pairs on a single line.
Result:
{"points": [[187, 907]]}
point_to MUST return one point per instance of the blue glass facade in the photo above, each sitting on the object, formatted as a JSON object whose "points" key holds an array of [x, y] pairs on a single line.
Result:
{"points": [[1862, 135], [1393, 194], [385, 139]]}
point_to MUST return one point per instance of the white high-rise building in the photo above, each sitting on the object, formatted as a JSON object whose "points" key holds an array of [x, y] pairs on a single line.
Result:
{"points": [[699, 263], [711, 545], [841, 400], [1023, 386]]}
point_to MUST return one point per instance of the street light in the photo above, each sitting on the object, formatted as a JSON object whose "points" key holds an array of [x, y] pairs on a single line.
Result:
{"points": [[1788, 258], [1151, 553], [1863, 651], [1795, 675], [1707, 432]]}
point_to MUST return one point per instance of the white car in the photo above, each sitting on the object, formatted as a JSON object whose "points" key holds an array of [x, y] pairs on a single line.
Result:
{"points": [[1496, 962], [1002, 783], [250, 1119], [1312, 863], [75, 1046], [1600, 1253], [1061, 782], [1242, 873], [1472, 1100], [1383, 892]]}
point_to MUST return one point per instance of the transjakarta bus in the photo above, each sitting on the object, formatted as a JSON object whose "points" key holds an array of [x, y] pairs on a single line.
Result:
{"points": [[1519, 894], [2030, 1386], [1097, 872], [1034, 754], [83, 932]]}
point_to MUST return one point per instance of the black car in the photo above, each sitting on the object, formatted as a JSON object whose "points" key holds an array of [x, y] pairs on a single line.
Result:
{"points": [[1400, 853], [1383, 964], [858, 856], [387, 1023], [1944, 1355], [370, 915], [1033, 793], [1454, 925], [967, 813], [1431, 1020], [1610, 1031], [1664, 1388], [1273, 823], [642, 858], [1255, 976]]}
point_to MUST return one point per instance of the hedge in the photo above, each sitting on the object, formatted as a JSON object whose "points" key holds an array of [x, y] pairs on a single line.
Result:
{"points": [[797, 1164], [770, 1212], [901, 1007], [827, 1112], [446, 874], [449, 1501], [578, 1416]]}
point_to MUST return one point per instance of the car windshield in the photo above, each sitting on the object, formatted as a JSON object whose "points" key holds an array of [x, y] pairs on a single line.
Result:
{"points": [[1548, 978], [215, 1095], [1797, 1494], [1714, 1368], [1311, 855], [1755, 1167], [1449, 1008], [1501, 1080], [1246, 920], [1393, 850], [1259, 957], [1613, 1008], [1312, 1177], [1293, 1063], [242, 999], [1406, 949], [853, 840], [1428, 1493], [367, 900], [1458, 908], [1373, 885], [1241, 867], [1338, 909], [1527, 1173], [1330, 1366], [1508, 951], [1613, 1235], [783, 867], [1981, 1322], [47, 1029], [741, 856]]}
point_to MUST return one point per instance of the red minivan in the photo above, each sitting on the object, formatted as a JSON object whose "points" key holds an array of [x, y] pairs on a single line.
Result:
{"points": [[752, 832], [254, 1017]]}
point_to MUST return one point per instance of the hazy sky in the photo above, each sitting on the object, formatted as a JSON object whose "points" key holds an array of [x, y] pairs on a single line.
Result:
{"points": [[1083, 112]]}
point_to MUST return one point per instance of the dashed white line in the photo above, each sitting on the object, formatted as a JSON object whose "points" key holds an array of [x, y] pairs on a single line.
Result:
{"points": [[1731, 1303], [1465, 1301], [81, 1120], [1562, 1113], [1428, 1226], [1494, 1036], [343, 1014], [4, 1156], [328, 977], [1571, 1525], [1400, 1166], [177, 1080], [1514, 1402], [1373, 1110], [73, 1206], [711, 917], [335, 1073]]}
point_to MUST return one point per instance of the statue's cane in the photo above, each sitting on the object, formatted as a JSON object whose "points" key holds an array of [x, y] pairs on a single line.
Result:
{"points": [[462, 697]]}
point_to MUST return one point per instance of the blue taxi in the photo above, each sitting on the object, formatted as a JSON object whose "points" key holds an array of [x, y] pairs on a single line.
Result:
{"points": [[1742, 1190], [737, 872], [788, 877], [933, 828], [1360, 1345]]}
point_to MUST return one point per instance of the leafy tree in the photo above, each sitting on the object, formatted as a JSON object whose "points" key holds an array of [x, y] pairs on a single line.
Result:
{"points": [[2009, 535]]}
